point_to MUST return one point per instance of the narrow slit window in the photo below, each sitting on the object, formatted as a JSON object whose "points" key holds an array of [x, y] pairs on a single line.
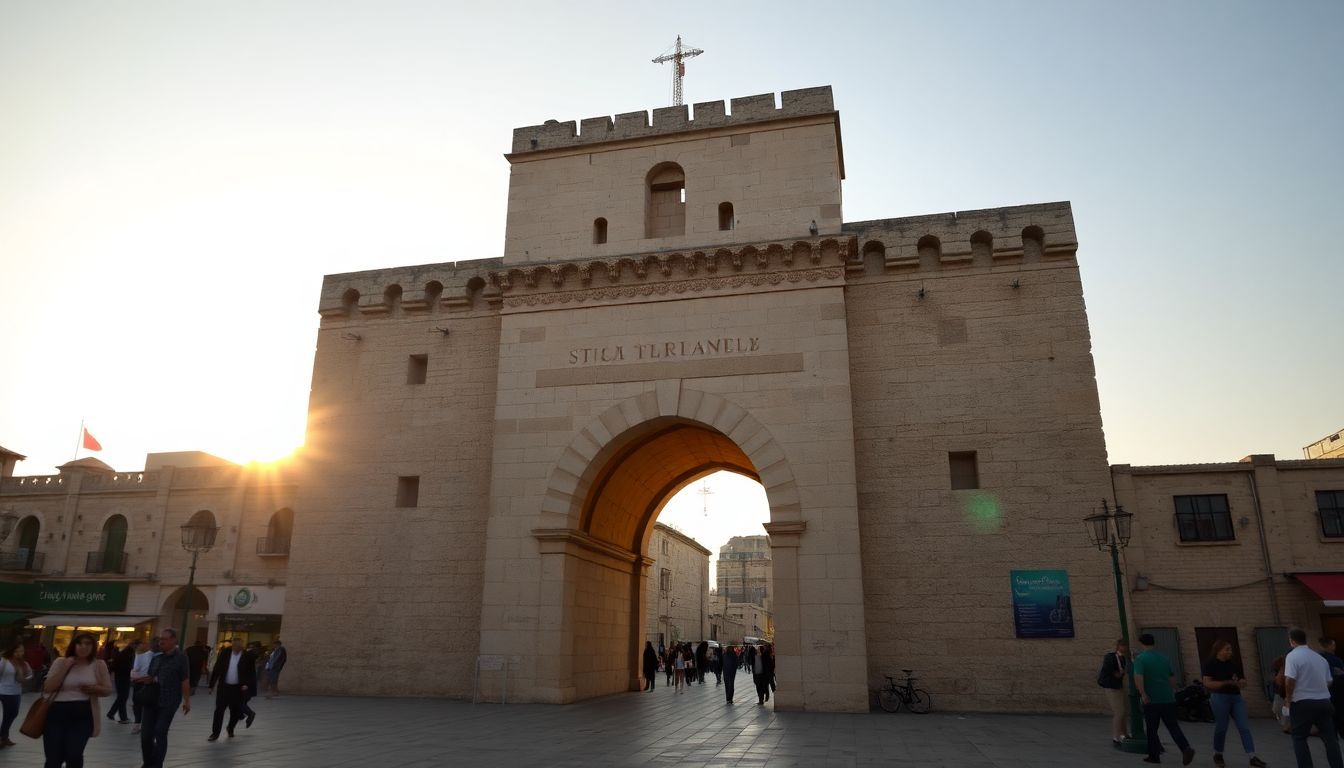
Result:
{"points": [[726, 220], [408, 491], [599, 231], [417, 370], [965, 470]]}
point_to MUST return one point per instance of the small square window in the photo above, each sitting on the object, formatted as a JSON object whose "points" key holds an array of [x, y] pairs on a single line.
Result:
{"points": [[965, 471], [417, 370], [1330, 505], [1204, 518], [408, 491]]}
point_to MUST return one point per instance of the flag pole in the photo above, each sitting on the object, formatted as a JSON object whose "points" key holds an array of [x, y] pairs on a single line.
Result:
{"points": [[80, 440]]}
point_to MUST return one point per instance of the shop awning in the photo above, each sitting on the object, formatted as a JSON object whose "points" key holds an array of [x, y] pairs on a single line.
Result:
{"points": [[90, 621], [9, 617], [1327, 586]]}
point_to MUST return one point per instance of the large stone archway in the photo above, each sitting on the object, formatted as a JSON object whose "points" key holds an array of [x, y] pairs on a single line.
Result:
{"points": [[601, 499]]}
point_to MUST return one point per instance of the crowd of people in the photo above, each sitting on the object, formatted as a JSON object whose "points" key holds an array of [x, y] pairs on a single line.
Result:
{"points": [[155, 676], [685, 664], [1308, 698]]}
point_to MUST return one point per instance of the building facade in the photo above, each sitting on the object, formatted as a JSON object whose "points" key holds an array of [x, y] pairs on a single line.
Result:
{"points": [[743, 570], [677, 603], [1329, 447], [1237, 551], [101, 550], [490, 441]]}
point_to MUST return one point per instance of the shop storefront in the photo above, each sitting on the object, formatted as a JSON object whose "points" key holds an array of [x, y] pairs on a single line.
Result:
{"points": [[250, 613], [62, 608]]}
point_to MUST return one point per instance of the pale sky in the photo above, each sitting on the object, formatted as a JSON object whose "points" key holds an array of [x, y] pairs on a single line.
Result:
{"points": [[176, 178]]}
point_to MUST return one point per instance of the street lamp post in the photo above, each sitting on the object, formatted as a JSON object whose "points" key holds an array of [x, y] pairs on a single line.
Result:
{"points": [[1111, 530], [196, 538]]}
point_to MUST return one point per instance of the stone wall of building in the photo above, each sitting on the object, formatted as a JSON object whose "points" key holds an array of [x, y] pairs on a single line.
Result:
{"points": [[968, 333], [366, 574], [681, 611]]}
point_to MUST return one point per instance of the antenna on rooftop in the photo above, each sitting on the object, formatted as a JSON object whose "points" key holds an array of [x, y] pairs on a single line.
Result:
{"points": [[705, 492], [677, 55]]}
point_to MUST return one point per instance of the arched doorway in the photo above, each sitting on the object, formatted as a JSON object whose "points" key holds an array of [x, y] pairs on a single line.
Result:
{"points": [[604, 496], [198, 615]]}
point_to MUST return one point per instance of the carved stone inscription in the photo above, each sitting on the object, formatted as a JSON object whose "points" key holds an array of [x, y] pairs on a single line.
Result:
{"points": [[665, 350]]}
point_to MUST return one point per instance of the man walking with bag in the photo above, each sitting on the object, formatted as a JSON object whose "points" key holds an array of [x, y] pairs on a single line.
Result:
{"points": [[1152, 676]]}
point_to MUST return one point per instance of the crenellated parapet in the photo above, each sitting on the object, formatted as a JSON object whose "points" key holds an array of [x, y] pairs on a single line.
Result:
{"points": [[987, 237], [747, 110], [449, 287]]}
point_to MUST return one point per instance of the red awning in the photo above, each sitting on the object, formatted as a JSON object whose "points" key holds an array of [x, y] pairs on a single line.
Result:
{"points": [[1327, 586]]}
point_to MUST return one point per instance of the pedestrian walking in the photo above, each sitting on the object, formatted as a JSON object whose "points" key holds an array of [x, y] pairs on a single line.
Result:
{"points": [[1336, 682], [1307, 684], [197, 656], [729, 672], [701, 661], [680, 654], [716, 664], [1222, 676], [14, 671], [274, 664], [78, 680], [1152, 676], [762, 672], [650, 661], [1280, 701], [167, 685], [121, 679], [1111, 678], [234, 675], [669, 665], [140, 671]]}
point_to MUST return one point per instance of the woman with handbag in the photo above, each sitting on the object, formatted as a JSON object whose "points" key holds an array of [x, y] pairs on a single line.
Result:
{"points": [[13, 672], [77, 680]]}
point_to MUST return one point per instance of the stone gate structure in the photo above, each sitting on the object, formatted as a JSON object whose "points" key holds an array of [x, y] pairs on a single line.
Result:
{"points": [[490, 441]]}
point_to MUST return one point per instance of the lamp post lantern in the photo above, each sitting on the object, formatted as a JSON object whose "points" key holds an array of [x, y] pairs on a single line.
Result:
{"points": [[1111, 530], [196, 538]]}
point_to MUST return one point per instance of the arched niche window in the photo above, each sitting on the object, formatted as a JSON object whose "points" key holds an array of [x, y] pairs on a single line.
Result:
{"points": [[726, 219], [1033, 242], [929, 248], [874, 258], [25, 556], [111, 554], [599, 231], [665, 201], [982, 245], [279, 532]]}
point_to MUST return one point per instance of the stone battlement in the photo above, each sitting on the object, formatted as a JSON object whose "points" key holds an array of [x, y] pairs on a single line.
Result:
{"points": [[746, 110]]}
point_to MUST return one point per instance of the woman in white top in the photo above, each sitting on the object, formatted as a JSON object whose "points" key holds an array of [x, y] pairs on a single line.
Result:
{"points": [[13, 671], [78, 680]]}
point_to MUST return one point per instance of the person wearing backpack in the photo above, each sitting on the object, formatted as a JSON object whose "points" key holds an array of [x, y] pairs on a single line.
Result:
{"points": [[1111, 678]]}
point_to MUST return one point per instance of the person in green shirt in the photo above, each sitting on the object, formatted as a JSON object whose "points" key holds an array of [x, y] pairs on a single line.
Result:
{"points": [[1152, 676]]}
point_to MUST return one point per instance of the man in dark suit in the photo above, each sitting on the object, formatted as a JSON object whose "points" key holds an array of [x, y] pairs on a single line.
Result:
{"points": [[235, 674]]}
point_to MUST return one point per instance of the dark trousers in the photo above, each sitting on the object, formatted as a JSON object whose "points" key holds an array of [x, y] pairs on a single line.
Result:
{"points": [[1165, 714], [119, 705], [154, 734], [1314, 713], [10, 703], [728, 680], [69, 727], [667, 667], [136, 709], [762, 687], [244, 707], [718, 674], [650, 675], [228, 697]]}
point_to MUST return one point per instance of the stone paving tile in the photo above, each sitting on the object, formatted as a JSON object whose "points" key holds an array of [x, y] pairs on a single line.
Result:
{"points": [[649, 729]]}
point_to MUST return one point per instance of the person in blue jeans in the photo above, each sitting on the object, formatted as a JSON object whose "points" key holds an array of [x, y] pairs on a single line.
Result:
{"points": [[171, 671], [1152, 676], [1223, 678], [14, 671]]}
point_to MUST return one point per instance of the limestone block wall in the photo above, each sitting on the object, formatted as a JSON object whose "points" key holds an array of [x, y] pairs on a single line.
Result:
{"points": [[779, 168], [369, 579], [967, 332], [1244, 583], [688, 566]]}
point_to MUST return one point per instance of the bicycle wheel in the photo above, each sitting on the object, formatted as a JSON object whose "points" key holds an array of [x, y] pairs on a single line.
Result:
{"points": [[921, 701], [888, 700]]}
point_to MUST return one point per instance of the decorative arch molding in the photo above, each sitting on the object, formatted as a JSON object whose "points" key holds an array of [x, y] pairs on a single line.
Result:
{"points": [[631, 422]]}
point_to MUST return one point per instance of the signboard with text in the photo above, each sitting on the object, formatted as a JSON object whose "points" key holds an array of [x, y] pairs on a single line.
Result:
{"points": [[1042, 605], [81, 596]]}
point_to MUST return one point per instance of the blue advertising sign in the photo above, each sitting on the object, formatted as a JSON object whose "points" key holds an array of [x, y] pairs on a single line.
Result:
{"points": [[1042, 606]]}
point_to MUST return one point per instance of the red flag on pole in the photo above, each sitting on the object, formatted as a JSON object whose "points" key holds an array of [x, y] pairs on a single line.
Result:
{"points": [[90, 443]]}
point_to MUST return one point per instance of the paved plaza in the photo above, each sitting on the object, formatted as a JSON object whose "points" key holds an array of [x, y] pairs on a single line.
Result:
{"points": [[659, 729]]}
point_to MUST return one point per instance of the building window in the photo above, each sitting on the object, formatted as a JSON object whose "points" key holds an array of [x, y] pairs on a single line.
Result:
{"points": [[1204, 518], [1331, 506], [417, 370], [408, 491], [665, 201], [664, 580], [965, 472], [599, 231], [666, 547], [726, 220]]}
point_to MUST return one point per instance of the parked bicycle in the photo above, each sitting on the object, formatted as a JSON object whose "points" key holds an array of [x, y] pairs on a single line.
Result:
{"points": [[893, 696]]}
